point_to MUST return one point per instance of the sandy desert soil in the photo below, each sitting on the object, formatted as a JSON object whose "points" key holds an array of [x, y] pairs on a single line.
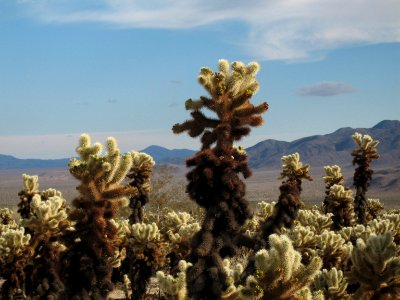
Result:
{"points": [[263, 185]]}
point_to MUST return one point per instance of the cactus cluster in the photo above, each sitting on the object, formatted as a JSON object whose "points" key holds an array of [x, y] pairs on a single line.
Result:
{"points": [[108, 239]]}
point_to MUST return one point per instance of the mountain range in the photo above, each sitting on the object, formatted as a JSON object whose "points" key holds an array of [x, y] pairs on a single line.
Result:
{"points": [[317, 150]]}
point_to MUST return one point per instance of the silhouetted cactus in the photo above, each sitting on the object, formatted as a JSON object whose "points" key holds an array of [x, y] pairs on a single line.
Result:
{"points": [[363, 157], [214, 182]]}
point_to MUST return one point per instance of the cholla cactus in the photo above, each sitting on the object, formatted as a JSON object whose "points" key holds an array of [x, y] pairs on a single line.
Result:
{"points": [[303, 240], [333, 176], [174, 288], [332, 283], [48, 216], [13, 242], [292, 167], [339, 201], [145, 233], [280, 273], [146, 254], [286, 209], [265, 209], [102, 192], [6, 219], [47, 223], [123, 232], [288, 205], [394, 228], [315, 220], [15, 254], [374, 208], [214, 182], [178, 229], [30, 188], [363, 157], [333, 249], [140, 172], [376, 266]]}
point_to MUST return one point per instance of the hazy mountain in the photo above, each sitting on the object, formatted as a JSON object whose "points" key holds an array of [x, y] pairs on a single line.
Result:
{"points": [[160, 155], [164, 155], [10, 162], [317, 150]]}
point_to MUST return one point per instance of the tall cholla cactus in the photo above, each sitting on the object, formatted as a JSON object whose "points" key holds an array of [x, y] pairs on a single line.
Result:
{"points": [[139, 174], [30, 189], [214, 182], [86, 263], [333, 176], [289, 202], [279, 273], [339, 199], [363, 157], [376, 266], [288, 205]]}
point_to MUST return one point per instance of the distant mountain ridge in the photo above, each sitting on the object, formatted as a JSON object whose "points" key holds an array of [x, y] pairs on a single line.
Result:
{"points": [[10, 162], [332, 148], [317, 150]]}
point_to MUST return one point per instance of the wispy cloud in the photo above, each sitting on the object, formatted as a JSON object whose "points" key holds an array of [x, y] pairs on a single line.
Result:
{"points": [[278, 30], [326, 89], [112, 101]]}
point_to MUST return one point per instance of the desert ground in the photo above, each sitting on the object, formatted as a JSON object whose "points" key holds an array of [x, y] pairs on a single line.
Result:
{"points": [[263, 185]]}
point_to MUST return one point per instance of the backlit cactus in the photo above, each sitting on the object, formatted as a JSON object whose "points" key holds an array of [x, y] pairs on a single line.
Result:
{"points": [[363, 156], [376, 266], [332, 283], [174, 288], [30, 188], [87, 267], [279, 273]]}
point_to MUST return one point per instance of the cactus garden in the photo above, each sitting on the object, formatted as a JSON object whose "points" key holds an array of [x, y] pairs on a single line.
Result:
{"points": [[109, 242]]}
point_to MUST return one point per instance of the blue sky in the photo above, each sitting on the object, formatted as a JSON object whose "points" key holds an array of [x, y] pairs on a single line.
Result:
{"points": [[124, 68]]}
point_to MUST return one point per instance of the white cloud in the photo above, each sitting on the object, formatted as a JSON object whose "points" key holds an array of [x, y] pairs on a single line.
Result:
{"points": [[326, 89], [278, 30]]}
